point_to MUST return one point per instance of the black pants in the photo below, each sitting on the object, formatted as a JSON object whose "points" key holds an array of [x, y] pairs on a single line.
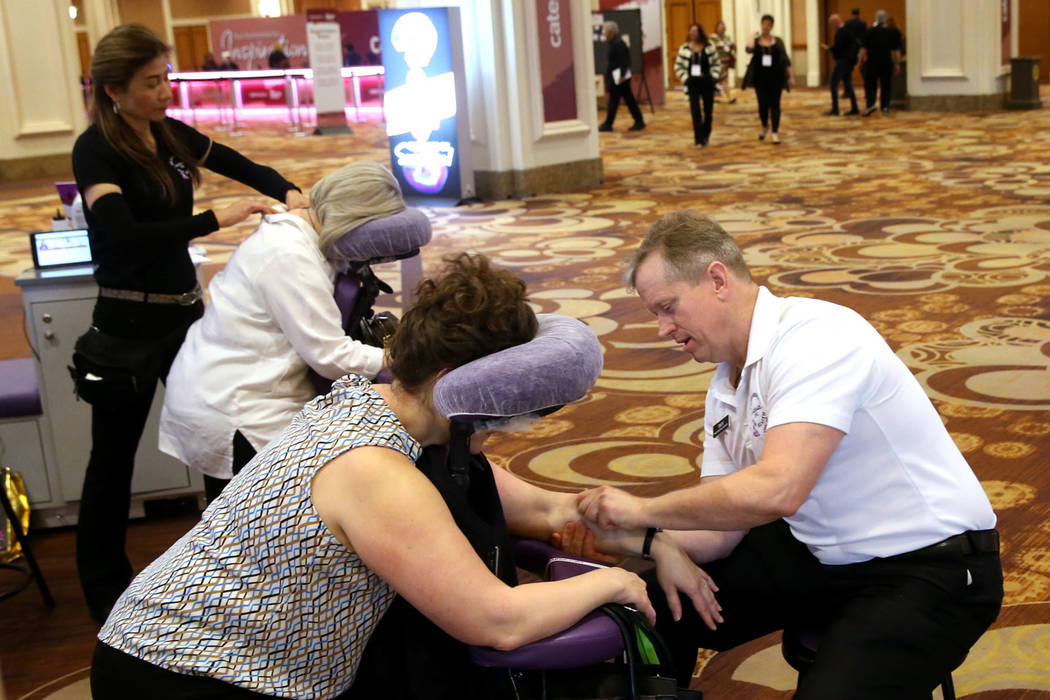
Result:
{"points": [[616, 92], [116, 428], [843, 72], [894, 625], [115, 674], [768, 94], [242, 454], [701, 89], [878, 79]]}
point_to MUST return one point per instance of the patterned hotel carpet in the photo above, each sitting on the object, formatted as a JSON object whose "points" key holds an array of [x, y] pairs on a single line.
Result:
{"points": [[935, 227]]}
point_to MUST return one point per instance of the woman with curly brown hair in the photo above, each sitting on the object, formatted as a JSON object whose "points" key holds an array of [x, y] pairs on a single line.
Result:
{"points": [[278, 588]]}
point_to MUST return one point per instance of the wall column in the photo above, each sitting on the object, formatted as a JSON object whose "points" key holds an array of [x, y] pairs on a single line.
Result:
{"points": [[41, 106], [100, 16], [955, 58], [813, 50]]}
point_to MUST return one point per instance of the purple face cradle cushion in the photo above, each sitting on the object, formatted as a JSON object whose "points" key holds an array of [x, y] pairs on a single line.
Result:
{"points": [[556, 367], [388, 238]]}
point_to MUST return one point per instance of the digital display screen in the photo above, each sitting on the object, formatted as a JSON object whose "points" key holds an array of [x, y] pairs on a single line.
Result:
{"points": [[420, 101], [54, 248]]}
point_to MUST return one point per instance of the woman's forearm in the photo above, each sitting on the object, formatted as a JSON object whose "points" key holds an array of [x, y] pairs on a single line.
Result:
{"points": [[537, 610], [531, 511]]}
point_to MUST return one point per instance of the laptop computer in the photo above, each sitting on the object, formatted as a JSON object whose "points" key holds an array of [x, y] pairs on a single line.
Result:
{"points": [[55, 252]]}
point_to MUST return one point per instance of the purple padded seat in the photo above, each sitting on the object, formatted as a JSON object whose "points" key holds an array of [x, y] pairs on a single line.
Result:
{"points": [[559, 365], [19, 392]]}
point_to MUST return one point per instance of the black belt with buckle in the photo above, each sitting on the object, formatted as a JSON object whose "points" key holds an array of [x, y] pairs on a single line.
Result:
{"points": [[969, 542], [185, 299]]}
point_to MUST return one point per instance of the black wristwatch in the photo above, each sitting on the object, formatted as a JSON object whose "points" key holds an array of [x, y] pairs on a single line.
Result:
{"points": [[648, 543]]}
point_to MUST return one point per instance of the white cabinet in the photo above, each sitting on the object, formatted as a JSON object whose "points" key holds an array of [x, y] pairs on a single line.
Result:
{"points": [[58, 310]]}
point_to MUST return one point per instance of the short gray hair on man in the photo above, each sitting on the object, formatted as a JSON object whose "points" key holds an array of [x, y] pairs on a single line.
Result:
{"points": [[610, 26], [350, 196], [688, 243], [881, 16]]}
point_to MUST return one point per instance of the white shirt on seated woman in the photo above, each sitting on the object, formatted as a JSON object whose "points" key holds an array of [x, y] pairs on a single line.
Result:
{"points": [[244, 365]]}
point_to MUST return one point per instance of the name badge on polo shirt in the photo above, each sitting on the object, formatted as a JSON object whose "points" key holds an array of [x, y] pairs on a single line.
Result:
{"points": [[694, 70], [767, 60], [721, 426]]}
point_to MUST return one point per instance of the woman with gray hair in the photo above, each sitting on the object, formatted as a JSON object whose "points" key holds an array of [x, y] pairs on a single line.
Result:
{"points": [[242, 372]]}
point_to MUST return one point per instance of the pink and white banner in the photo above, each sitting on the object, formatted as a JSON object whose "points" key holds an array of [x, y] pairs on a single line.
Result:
{"points": [[250, 41]]}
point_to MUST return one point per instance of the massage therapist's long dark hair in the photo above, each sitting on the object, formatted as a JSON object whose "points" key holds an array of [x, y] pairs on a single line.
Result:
{"points": [[117, 56], [701, 35]]}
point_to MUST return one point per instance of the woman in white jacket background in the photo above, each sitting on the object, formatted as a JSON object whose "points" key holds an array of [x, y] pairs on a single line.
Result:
{"points": [[242, 372]]}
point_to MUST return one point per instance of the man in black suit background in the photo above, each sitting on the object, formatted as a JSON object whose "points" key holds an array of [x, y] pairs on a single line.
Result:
{"points": [[618, 79], [880, 56], [856, 25], [844, 49]]}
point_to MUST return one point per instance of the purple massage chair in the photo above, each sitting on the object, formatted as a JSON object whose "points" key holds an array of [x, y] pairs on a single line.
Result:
{"points": [[390, 238], [409, 657]]}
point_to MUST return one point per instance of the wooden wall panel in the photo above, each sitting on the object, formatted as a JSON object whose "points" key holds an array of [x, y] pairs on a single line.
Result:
{"points": [[678, 15], [84, 49], [1033, 37], [145, 12], [192, 9], [191, 43]]}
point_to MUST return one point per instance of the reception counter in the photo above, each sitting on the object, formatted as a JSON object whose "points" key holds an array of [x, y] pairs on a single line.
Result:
{"points": [[233, 97]]}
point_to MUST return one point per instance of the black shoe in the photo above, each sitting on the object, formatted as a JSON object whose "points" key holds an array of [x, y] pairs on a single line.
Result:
{"points": [[851, 112], [604, 127], [870, 111], [886, 110], [831, 113], [637, 126]]}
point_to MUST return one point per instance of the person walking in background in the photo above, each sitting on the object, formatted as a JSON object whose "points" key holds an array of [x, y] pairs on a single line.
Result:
{"points": [[618, 80], [856, 25], [880, 56], [844, 49], [895, 32], [770, 72], [726, 49], [699, 69]]}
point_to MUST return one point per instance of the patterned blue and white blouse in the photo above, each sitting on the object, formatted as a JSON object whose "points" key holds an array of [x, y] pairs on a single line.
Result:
{"points": [[260, 594]]}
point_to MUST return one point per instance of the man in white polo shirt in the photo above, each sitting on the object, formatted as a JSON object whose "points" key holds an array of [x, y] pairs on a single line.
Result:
{"points": [[831, 493]]}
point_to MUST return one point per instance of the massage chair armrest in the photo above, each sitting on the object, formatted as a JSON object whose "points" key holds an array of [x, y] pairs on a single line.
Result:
{"points": [[550, 562], [593, 639]]}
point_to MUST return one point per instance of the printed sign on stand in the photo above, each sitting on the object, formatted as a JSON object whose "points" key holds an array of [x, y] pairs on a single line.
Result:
{"points": [[326, 59]]}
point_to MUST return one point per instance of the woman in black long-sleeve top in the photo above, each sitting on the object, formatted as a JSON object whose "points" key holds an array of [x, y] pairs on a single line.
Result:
{"points": [[136, 169], [769, 72]]}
